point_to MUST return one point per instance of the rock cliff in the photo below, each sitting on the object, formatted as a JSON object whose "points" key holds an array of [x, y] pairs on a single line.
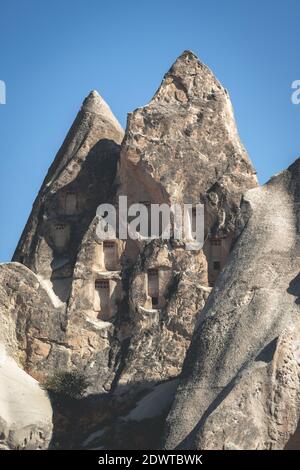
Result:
{"points": [[122, 312], [182, 147], [240, 385]]}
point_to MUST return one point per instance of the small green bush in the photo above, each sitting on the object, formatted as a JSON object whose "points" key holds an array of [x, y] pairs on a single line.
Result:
{"points": [[69, 384]]}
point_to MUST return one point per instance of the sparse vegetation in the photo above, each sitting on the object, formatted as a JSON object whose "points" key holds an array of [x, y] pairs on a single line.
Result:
{"points": [[69, 384]]}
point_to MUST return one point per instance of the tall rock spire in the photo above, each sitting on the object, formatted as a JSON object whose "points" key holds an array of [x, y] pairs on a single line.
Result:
{"points": [[184, 147], [125, 310], [186, 136], [79, 179]]}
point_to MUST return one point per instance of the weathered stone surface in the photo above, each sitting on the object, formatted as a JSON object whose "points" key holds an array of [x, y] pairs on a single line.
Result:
{"points": [[25, 409], [240, 386], [183, 147], [32, 326], [160, 337], [123, 312], [81, 177]]}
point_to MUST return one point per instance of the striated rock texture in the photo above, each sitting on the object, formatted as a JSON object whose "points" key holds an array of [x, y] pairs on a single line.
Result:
{"points": [[240, 386]]}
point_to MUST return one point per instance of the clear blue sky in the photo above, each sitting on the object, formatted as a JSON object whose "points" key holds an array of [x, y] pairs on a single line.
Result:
{"points": [[52, 53]]}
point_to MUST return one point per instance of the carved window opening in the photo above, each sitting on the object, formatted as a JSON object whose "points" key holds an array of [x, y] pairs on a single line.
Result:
{"points": [[216, 265], [71, 203], [60, 227], [102, 299], [61, 235], [216, 242], [109, 245], [101, 284], [194, 219], [110, 251], [153, 286]]}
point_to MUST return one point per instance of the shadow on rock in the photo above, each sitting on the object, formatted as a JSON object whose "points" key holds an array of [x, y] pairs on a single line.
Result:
{"points": [[294, 288]]}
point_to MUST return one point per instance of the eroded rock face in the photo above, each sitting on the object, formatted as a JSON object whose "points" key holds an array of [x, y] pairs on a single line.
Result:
{"points": [[241, 378], [119, 306], [186, 140], [25, 409], [183, 147], [80, 178], [123, 312], [32, 324]]}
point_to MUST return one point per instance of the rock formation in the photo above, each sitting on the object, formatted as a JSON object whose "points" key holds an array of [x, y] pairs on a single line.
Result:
{"points": [[25, 410], [240, 385], [182, 147], [123, 312], [81, 177]]}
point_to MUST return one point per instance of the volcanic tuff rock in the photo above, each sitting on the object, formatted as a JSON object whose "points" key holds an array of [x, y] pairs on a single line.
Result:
{"points": [[182, 147], [25, 409], [81, 177], [123, 312], [240, 387], [32, 325]]}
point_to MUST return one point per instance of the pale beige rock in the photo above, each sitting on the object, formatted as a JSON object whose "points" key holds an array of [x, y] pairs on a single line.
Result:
{"points": [[124, 313], [25, 409], [240, 384]]}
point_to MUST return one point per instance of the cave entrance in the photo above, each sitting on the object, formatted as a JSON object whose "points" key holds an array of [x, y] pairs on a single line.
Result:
{"points": [[61, 235], [153, 286], [71, 203], [110, 255], [102, 298]]}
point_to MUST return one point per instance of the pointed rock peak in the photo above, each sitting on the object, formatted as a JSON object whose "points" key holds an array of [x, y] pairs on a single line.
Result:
{"points": [[94, 103], [189, 61], [188, 79], [187, 56], [189, 65], [295, 166]]}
